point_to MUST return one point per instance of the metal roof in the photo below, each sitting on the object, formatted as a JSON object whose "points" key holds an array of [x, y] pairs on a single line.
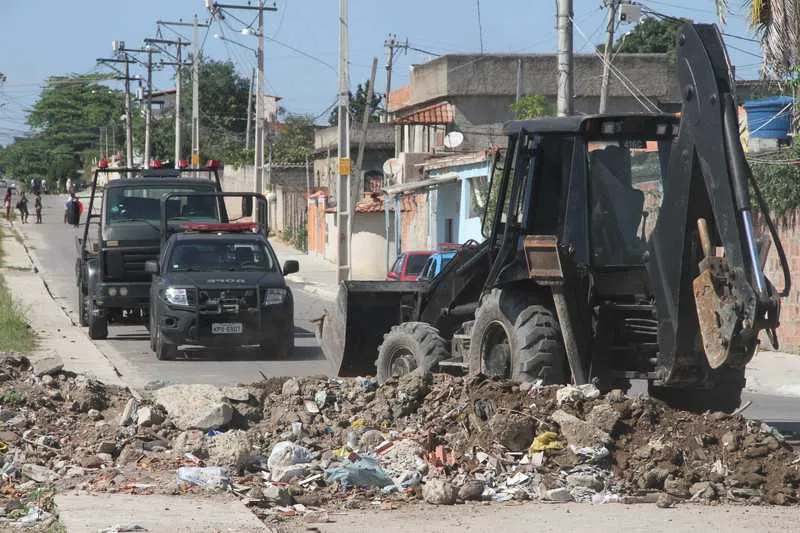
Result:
{"points": [[417, 185], [570, 124]]}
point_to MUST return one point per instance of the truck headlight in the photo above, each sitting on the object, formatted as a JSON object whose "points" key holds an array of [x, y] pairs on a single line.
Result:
{"points": [[176, 296], [274, 296]]}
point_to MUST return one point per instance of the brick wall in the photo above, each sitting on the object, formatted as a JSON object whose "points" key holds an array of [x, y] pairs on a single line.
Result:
{"points": [[789, 331]]}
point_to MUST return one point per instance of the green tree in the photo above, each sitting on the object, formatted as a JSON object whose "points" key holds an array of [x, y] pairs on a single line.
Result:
{"points": [[358, 103], [650, 36], [295, 142], [531, 106], [66, 122]]}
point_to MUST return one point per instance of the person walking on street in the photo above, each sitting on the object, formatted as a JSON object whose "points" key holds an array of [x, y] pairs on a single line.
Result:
{"points": [[44, 186], [7, 204], [37, 205], [73, 210], [22, 205]]}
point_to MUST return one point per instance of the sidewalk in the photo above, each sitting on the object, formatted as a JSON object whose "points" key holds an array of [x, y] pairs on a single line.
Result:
{"points": [[317, 276]]}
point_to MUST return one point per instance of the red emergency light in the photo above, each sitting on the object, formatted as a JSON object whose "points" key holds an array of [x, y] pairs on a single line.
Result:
{"points": [[155, 163], [103, 163], [231, 227], [212, 164], [183, 163]]}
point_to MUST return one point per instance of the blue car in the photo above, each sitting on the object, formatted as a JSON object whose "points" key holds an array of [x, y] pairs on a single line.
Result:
{"points": [[435, 264]]}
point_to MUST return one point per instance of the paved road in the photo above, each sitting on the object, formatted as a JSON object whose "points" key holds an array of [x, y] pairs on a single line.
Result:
{"points": [[53, 244]]}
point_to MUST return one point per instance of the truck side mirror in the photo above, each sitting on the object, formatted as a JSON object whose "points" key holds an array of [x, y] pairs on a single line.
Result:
{"points": [[247, 206], [151, 267], [290, 267]]}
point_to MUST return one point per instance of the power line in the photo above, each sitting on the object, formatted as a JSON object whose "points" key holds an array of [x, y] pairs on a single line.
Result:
{"points": [[741, 38]]}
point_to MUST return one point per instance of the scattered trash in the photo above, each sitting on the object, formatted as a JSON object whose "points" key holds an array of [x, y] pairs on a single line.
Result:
{"points": [[364, 472], [548, 440], [208, 477]]}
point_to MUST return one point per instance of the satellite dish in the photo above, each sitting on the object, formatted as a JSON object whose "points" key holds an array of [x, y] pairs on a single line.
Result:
{"points": [[453, 139], [391, 166]]}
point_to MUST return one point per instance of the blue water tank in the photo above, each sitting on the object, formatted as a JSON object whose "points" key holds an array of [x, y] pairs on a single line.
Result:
{"points": [[760, 121]]}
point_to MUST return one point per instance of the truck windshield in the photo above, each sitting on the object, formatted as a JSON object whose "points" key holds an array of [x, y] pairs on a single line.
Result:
{"points": [[230, 255], [626, 192], [143, 202]]}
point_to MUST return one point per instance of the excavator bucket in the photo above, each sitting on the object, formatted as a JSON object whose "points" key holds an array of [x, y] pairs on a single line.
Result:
{"points": [[351, 331]]}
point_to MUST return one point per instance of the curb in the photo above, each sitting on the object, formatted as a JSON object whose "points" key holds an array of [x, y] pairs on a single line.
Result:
{"points": [[325, 294]]}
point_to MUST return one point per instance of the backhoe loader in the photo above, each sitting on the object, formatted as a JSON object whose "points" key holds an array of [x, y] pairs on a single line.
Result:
{"points": [[616, 247]]}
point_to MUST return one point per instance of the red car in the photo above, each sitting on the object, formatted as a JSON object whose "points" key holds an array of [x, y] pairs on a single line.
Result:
{"points": [[408, 265]]}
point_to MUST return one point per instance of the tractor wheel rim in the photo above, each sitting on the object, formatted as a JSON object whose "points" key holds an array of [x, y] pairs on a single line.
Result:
{"points": [[496, 351], [402, 362]]}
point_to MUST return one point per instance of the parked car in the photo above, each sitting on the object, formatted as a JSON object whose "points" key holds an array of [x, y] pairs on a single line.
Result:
{"points": [[435, 264], [408, 265]]}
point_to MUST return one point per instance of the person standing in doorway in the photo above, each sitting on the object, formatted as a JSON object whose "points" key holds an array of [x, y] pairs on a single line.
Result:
{"points": [[37, 205], [22, 205]]}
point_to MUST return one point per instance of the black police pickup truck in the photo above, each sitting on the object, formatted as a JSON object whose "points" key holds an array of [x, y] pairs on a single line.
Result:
{"points": [[220, 285]]}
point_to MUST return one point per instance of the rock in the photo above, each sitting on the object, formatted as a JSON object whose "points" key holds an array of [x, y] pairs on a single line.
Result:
{"points": [[772, 443], [47, 366], [279, 495], [255, 493], [290, 473], [236, 394], [74, 471], [603, 417], [231, 449], [577, 432], [439, 491], [245, 413], [107, 447], [129, 455], [149, 416], [48, 380], [654, 478], [291, 387], [9, 437], [370, 439], [87, 394], [192, 441], [561, 494], [730, 442], [568, 394], [200, 407], [615, 396], [756, 451], [94, 414], [105, 457], [38, 473], [702, 490], [471, 490], [585, 480], [128, 412], [676, 487], [512, 430], [665, 501], [91, 461]]}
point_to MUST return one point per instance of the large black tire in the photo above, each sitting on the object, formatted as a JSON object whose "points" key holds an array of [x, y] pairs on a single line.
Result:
{"points": [[98, 325], [83, 310], [165, 351], [517, 338], [725, 395], [409, 347]]}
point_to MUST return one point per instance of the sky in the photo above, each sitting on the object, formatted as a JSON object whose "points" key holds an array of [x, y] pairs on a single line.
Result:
{"points": [[40, 38]]}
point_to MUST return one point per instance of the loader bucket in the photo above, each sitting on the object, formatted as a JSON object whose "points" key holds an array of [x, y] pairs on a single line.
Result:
{"points": [[351, 331]]}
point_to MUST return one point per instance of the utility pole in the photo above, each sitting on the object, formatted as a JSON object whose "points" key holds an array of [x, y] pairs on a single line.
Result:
{"points": [[564, 23], [149, 109], [343, 207], [215, 8], [178, 63], [612, 15], [122, 57], [195, 84], [249, 111], [390, 43]]}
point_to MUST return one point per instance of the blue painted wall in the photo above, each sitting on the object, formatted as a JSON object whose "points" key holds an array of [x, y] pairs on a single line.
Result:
{"points": [[455, 201]]}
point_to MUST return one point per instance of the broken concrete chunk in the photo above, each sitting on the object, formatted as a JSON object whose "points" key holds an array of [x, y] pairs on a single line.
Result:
{"points": [[471, 490], [149, 415], [47, 366], [290, 387], [232, 449], [561, 494], [603, 417], [577, 432], [439, 491], [588, 481], [38, 473], [200, 407]]}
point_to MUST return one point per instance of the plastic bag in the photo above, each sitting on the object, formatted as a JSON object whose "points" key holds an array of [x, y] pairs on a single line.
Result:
{"points": [[363, 472], [285, 454], [546, 441], [209, 477]]}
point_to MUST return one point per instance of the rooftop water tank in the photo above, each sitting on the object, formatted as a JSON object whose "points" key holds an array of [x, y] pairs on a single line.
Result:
{"points": [[769, 118]]}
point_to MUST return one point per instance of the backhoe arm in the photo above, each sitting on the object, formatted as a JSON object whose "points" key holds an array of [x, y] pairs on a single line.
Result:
{"points": [[711, 295]]}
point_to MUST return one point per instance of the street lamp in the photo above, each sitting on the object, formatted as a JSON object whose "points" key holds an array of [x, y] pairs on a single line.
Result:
{"points": [[237, 43]]}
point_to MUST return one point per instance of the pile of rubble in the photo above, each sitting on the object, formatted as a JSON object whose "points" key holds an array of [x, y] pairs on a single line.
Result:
{"points": [[312, 446]]}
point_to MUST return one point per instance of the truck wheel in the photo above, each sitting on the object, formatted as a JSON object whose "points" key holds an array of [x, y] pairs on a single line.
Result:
{"points": [[725, 395], [98, 325], [83, 311], [408, 347], [516, 339], [165, 351]]}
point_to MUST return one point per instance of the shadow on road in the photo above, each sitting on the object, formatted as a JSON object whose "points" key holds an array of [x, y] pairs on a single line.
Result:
{"points": [[300, 353]]}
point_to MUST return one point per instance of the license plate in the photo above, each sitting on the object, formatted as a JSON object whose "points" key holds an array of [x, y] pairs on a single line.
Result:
{"points": [[226, 328]]}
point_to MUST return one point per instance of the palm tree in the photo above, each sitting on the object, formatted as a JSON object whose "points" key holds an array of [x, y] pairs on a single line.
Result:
{"points": [[777, 22]]}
